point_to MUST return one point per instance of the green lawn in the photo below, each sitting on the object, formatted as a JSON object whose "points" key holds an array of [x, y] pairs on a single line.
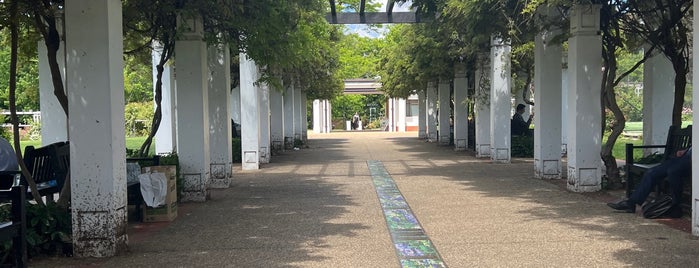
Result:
{"points": [[133, 143]]}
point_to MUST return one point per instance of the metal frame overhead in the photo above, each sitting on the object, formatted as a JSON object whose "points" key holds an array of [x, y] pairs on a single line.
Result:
{"points": [[363, 17]]}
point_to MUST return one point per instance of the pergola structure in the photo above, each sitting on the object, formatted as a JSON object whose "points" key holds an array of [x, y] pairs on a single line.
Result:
{"points": [[363, 17], [201, 124]]}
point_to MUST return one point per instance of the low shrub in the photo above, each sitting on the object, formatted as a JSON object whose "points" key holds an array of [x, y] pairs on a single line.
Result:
{"points": [[522, 146]]}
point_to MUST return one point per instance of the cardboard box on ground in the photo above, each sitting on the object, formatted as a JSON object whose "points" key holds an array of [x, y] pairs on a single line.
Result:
{"points": [[168, 212]]}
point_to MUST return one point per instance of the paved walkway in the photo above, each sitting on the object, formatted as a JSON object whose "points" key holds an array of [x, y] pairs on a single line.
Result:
{"points": [[318, 207]]}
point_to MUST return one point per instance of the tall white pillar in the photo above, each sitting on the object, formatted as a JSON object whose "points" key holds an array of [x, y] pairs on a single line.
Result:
{"points": [[422, 115], [304, 118], [460, 108], [288, 102], [299, 117], [166, 138], [390, 111], [317, 116], [264, 126], [658, 97], [327, 111], [401, 114], [96, 103], [547, 133], [431, 111], [249, 114], [276, 118], [564, 102], [54, 122], [695, 133], [482, 107], [220, 134], [443, 90], [192, 107], [584, 118], [500, 100], [235, 105]]}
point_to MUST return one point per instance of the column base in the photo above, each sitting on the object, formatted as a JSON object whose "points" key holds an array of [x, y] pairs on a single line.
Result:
{"points": [[196, 188], [432, 137], [221, 174], [220, 183], [584, 179], [264, 155], [288, 143], [460, 145], [500, 155], [444, 140], [277, 146], [547, 169], [422, 135], [93, 240], [483, 150]]}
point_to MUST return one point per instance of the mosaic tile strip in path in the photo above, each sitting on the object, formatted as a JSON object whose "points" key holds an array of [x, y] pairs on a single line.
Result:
{"points": [[413, 247]]}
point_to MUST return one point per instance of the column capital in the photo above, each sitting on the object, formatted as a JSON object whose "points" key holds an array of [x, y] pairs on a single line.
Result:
{"points": [[460, 70], [192, 27], [498, 40], [584, 19]]}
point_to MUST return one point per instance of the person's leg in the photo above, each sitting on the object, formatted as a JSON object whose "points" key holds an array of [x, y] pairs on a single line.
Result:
{"points": [[650, 179], [677, 170]]}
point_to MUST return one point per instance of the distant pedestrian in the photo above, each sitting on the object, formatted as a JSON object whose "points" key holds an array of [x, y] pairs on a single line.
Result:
{"points": [[355, 121]]}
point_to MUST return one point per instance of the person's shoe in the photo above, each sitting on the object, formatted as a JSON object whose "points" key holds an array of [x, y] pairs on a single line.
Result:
{"points": [[624, 206]]}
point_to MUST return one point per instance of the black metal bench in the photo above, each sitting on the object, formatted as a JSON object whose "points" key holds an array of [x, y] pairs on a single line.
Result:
{"points": [[16, 228], [677, 139], [49, 166]]}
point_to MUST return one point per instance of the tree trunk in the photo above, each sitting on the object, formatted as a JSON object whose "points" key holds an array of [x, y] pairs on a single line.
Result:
{"points": [[680, 66], [14, 39], [168, 47]]}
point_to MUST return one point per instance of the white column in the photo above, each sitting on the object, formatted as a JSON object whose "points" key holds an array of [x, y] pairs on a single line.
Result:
{"points": [[695, 133], [658, 97], [564, 103], [304, 116], [289, 110], [220, 134], [288, 102], [327, 115], [584, 119], [390, 114], [547, 119], [401, 114], [165, 138], [192, 121], [422, 115], [482, 107], [460, 108], [276, 120], [317, 117], [500, 100], [264, 126], [96, 103], [249, 114], [298, 114], [54, 125], [235, 105], [431, 111], [443, 90]]}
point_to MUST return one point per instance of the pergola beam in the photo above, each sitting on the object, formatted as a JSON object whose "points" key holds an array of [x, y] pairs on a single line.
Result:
{"points": [[333, 13], [373, 18]]}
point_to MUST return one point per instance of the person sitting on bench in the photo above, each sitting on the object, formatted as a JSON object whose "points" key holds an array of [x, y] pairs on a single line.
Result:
{"points": [[8, 158], [675, 169]]}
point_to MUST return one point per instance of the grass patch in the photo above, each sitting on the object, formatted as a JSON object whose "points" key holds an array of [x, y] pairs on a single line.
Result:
{"points": [[133, 143]]}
